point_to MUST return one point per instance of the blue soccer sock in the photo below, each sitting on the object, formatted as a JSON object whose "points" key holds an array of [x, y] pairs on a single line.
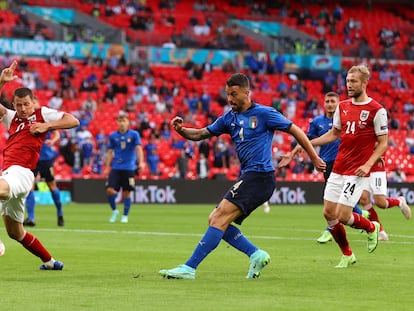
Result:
{"points": [[58, 203], [235, 238], [30, 205], [357, 210], [111, 200], [127, 206], [209, 242]]}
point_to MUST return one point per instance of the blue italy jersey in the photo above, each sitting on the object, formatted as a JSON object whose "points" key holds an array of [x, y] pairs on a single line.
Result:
{"points": [[47, 152], [123, 146], [252, 132], [319, 126]]}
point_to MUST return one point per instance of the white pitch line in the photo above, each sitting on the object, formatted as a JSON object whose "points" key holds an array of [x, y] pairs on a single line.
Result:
{"points": [[200, 235]]}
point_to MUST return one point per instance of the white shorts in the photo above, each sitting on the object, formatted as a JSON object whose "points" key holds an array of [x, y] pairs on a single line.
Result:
{"points": [[377, 183], [20, 180], [346, 190]]}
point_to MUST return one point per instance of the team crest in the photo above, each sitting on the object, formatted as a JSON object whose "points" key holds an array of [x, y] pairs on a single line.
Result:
{"points": [[253, 122], [364, 115]]}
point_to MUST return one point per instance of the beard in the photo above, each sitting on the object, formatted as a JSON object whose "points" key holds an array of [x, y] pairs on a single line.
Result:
{"points": [[357, 93]]}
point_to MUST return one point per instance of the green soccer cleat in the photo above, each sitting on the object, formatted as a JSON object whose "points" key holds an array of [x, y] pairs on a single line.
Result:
{"points": [[346, 261], [258, 260], [114, 216], [325, 237], [373, 238], [365, 214], [183, 272], [124, 219]]}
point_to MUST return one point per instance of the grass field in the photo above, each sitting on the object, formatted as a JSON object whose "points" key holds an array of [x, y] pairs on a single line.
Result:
{"points": [[115, 266]]}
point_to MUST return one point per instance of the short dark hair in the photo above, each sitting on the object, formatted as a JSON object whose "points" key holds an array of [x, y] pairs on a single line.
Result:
{"points": [[332, 94], [238, 79], [23, 92]]}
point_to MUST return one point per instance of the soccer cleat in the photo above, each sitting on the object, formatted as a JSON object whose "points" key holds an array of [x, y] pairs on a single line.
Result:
{"points": [[325, 237], [114, 216], [365, 214], [124, 219], [57, 265], [266, 207], [383, 236], [258, 260], [405, 209], [373, 238], [181, 272], [29, 222], [346, 261], [60, 221]]}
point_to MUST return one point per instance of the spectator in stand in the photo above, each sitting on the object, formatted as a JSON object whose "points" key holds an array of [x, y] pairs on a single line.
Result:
{"points": [[394, 122], [204, 148], [152, 156], [410, 123], [408, 106], [89, 104], [311, 108], [291, 104], [56, 101], [87, 151], [397, 175], [399, 83], [181, 165], [23, 65], [409, 48], [203, 168], [282, 86]]}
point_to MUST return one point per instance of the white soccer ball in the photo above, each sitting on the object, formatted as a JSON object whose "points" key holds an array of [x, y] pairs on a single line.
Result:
{"points": [[2, 248]]}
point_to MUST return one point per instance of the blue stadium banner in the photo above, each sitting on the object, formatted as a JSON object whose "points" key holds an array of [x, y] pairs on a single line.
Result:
{"points": [[72, 49], [218, 57], [65, 16], [265, 28]]}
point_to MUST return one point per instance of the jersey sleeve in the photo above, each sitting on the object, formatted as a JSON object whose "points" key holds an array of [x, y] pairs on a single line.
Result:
{"points": [[218, 127], [49, 114], [337, 119], [381, 122], [8, 117], [278, 121], [312, 130]]}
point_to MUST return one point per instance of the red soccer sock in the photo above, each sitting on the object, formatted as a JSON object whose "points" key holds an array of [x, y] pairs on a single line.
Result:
{"points": [[32, 244], [373, 216], [393, 202], [362, 223], [339, 234]]}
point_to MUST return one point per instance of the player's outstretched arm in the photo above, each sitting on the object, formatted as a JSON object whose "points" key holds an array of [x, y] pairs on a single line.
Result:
{"points": [[7, 74], [187, 132]]}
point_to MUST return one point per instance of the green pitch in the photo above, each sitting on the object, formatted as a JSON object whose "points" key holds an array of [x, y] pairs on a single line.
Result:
{"points": [[115, 266]]}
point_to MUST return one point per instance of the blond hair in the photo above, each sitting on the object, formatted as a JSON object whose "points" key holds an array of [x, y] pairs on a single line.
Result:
{"points": [[363, 70]]}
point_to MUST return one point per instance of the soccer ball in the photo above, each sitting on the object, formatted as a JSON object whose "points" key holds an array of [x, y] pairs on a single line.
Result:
{"points": [[2, 248]]}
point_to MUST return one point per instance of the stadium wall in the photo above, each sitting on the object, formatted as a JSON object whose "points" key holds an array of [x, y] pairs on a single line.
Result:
{"points": [[176, 191]]}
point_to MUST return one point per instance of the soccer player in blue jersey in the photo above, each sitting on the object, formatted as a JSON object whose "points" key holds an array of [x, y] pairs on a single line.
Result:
{"points": [[124, 152], [251, 127], [44, 167], [317, 127]]}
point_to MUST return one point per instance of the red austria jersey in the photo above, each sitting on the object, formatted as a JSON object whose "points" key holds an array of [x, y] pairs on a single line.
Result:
{"points": [[23, 148], [360, 124]]}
